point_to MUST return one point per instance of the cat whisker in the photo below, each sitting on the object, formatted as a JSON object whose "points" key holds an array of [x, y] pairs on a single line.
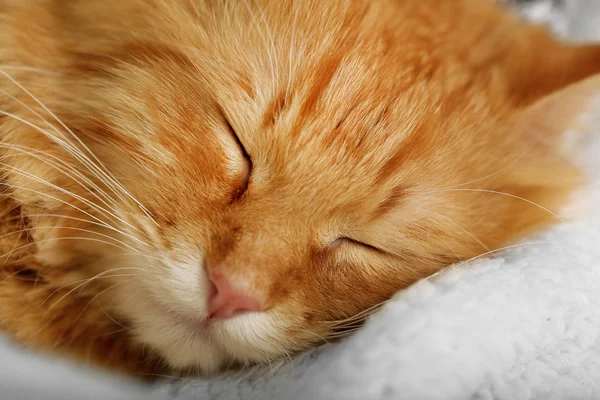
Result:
{"points": [[8, 277], [499, 193], [70, 238], [97, 165], [269, 362], [53, 186], [102, 223], [357, 318], [461, 263], [360, 315], [333, 335], [285, 353], [55, 117], [315, 334], [95, 277], [343, 334], [65, 145], [67, 228], [462, 229], [53, 160], [502, 249], [91, 204], [60, 216], [173, 377], [112, 333], [88, 281], [505, 167], [100, 294], [348, 325], [54, 165], [112, 319], [9, 255]]}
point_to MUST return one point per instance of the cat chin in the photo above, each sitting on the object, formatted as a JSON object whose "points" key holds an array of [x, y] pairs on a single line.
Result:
{"points": [[208, 347], [189, 342], [181, 349]]}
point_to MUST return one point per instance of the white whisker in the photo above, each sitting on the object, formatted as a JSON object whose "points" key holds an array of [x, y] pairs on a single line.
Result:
{"points": [[100, 294], [9, 255], [9, 276], [462, 229], [73, 238], [65, 145], [16, 147], [65, 203], [102, 223], [86, 282], [72, 290], [91, 204], [67, 228], [500, 193], [112, 319], [97, 276], [461, 263], [65, 173], [109, 179], [508, 165], [85, 201], [60, 216]]}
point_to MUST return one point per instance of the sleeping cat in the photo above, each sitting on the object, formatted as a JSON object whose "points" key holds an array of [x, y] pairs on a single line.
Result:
{"points": [[198, 184]]}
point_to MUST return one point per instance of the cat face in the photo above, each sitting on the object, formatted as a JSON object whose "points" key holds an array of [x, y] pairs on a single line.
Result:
{"points": [[249, 179]]}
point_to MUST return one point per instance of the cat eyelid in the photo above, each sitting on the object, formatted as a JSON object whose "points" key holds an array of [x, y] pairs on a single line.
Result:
{"points": [[247, 171], [344, 239]]}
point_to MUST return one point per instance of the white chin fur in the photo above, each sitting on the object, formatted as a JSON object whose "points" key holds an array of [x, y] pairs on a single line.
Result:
{"points": [[181, 349], [245, 339]]}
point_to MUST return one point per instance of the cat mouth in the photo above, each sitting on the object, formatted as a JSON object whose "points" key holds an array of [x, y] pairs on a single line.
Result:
{"points": [[193, 321], [199, 323], [194, 324]]}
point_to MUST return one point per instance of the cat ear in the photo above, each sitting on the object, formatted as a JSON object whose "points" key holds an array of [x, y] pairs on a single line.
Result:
{"points": [[553, 134], [547, 121], [548, 65]]}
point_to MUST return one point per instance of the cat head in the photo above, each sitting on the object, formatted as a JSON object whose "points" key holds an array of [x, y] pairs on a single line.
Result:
{"points": [[252, 178]]}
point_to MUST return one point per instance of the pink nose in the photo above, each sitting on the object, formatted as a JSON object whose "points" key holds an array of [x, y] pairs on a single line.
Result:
{"points": [[225, 301]]}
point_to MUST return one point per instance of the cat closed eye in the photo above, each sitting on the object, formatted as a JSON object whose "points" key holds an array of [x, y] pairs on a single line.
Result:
{"points": [[346, 240], [247, 166]]}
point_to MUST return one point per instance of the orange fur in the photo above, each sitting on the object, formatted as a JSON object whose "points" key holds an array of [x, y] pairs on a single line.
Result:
{"points": [[419, 130]]}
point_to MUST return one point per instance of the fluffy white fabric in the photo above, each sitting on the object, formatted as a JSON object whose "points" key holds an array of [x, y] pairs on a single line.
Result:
{"points": [[524, 324], [25, 376]]}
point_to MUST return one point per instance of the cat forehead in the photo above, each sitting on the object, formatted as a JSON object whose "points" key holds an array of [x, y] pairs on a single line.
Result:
{"points": [[354, 78], [320, 103]]}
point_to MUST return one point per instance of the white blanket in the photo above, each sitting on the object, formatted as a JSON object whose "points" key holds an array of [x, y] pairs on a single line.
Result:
{"points": [[524, 324]]}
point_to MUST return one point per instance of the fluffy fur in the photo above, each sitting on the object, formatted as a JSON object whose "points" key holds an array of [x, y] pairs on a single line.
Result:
{"points": [[321, 155]]}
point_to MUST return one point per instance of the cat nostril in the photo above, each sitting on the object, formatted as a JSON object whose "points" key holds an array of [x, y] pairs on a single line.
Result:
{"points": [[225, 301]]}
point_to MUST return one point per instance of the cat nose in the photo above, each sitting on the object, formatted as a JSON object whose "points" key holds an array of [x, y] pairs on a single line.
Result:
{"points": [[226, 301]]}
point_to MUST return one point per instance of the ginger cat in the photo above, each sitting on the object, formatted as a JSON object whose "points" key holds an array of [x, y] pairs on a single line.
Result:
{"points": [[196, 184]]}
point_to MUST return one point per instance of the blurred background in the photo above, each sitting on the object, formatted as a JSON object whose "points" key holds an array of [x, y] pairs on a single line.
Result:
{"points": [[575, 20]]}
